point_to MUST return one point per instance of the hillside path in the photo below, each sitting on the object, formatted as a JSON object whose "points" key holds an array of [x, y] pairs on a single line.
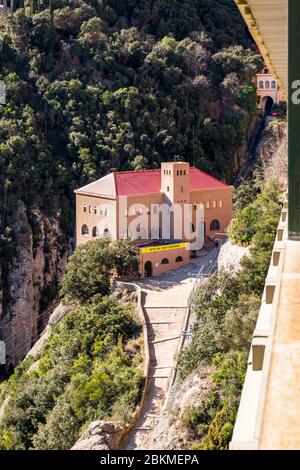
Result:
{"points": [[165, 301]]}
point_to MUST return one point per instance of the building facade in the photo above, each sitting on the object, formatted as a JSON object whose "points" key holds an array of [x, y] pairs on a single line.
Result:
{"points": [[268, 89], [6, 6], [131, 205]]}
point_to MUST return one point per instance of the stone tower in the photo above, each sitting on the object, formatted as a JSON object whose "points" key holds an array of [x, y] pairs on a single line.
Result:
{"points": [[175, 184]]}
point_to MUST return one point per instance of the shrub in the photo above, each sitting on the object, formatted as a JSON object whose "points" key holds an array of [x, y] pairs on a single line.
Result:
{"points": [[84, 373], [91, 267]]}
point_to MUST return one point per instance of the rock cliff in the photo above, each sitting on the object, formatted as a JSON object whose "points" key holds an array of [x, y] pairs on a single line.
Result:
{"points": [[100, 435], [169, 433], [272, 151], [31, 280]]}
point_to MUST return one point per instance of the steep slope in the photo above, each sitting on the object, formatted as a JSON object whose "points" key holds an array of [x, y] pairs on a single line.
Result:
{"points": [[213, 365], [96, 85]]}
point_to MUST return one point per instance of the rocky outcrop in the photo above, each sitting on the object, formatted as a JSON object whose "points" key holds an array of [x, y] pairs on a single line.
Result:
{"points": [[100, 435], [273, 152], [32, 279], [230, 256], [169, 433]]}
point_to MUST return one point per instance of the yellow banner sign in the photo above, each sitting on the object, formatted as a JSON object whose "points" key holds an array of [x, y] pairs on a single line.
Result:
{"points": [[155, 249]]}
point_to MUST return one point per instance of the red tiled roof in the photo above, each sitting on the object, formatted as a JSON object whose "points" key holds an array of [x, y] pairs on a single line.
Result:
{"points": [[137, 182], [129, 183], [201, 180], [149, 181]]}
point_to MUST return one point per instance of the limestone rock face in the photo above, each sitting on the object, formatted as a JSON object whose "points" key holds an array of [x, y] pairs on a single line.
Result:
{"points": [[100, 435], [168, 432], [230, 256], [273, 151], [31, 279]]}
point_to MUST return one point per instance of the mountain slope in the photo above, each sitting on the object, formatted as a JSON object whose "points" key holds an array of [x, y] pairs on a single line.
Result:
{"points": [[98, 85]]}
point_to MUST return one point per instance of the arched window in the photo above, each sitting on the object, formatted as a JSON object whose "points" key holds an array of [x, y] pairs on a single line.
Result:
{"points": [[106, 212], [165, 261], [261, 84], [90, 209], [267, 85], [84, 208], [95, 210], [215, 225], [207, 205], [273, 85], [106, 233], [84, 230], [214, 204], [220, 203], [179, 259], [96, 232]]}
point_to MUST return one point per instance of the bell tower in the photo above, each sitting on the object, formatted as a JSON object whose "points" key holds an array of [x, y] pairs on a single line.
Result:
{"points": [[175, 182]]}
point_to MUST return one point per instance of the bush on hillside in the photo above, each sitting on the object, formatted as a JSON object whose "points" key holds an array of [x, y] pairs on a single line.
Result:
{"points": [[226, 312], [84, 373], [91, 268]]}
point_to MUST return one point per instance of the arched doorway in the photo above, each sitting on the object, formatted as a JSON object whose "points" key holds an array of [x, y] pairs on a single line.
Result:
{"points": [[267, 104], [148, 269]]}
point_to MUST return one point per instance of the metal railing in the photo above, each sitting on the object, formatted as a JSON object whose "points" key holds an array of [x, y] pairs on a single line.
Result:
{"points": [[186, 334]]}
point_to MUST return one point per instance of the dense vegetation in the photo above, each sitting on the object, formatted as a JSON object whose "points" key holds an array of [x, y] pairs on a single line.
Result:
{"points": [[97, 85], [93, 265], [226, 312], [90, 369]]}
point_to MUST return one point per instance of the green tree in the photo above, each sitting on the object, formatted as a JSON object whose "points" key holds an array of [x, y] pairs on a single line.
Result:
{"points": [[90, 269]]}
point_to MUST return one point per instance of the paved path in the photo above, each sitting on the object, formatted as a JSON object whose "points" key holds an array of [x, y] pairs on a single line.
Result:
{"points": [[165, 303]]}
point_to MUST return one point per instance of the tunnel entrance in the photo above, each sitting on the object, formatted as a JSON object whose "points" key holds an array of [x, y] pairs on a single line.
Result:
{"points": [[267, 104]]}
